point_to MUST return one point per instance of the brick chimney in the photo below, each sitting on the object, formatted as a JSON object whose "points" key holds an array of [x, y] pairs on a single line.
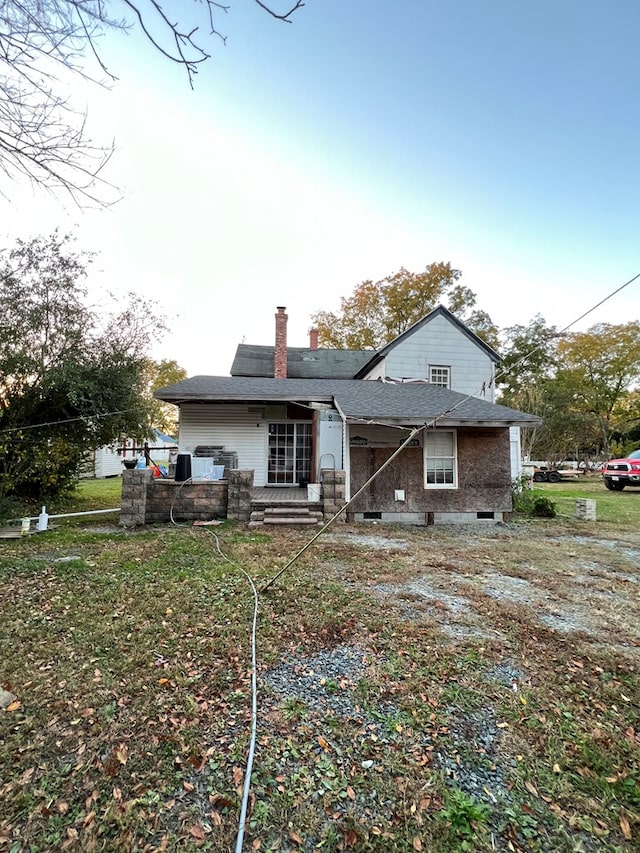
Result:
{"points": [[280, 353], [313, 338]]}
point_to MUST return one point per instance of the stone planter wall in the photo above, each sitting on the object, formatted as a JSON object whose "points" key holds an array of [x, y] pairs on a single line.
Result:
{"points": [[148, 500], [333, 492], [239, 500]]}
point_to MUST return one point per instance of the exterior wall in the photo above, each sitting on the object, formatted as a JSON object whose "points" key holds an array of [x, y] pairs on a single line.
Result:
{"points": [[439, 342], [484, 480], [107, 463], [235, 427]]}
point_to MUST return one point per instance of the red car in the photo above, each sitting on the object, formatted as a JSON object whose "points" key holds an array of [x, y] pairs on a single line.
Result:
{"points": [[618, 473]]}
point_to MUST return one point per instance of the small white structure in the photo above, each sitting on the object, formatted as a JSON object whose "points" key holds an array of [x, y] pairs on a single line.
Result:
{"points": [[107, 461]]}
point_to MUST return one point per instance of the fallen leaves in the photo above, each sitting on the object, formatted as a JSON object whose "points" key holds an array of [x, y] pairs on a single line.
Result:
{"points": [[625, 827]]}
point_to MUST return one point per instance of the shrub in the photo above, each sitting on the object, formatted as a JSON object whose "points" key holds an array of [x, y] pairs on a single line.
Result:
{"points": [[531, 503]]}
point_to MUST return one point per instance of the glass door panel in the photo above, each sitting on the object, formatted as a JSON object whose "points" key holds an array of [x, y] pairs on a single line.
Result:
{"points": [[289, 453]]}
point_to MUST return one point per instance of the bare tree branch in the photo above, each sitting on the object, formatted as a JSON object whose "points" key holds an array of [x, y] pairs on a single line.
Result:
{"points": [[284, 17], [43, 138]]}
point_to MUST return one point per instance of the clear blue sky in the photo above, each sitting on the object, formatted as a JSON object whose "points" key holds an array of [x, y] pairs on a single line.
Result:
{"points": [[501, 136]]}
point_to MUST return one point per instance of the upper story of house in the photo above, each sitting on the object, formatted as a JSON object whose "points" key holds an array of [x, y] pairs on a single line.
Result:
{"points": [[439, 349]]}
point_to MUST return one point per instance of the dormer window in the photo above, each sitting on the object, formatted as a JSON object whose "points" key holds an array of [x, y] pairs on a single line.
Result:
{"points": [[440, 376]]}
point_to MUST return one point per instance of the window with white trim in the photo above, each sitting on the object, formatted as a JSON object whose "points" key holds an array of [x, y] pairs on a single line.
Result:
{"points": [[440, 375], [440, 459]]}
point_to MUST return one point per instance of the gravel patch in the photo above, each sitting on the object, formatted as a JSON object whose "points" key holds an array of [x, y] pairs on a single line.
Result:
{"points": [[376, 543], [324, 681]]}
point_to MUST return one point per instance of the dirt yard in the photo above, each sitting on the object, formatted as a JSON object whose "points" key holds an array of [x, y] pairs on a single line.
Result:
{"points": [[473, 582], [419, 689]]}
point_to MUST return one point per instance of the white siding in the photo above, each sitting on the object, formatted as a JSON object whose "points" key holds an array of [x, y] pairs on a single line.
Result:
{"points": [[107, 463], [379, 371], [514, 444], [330, 440], [233, 427], [440, 342]]}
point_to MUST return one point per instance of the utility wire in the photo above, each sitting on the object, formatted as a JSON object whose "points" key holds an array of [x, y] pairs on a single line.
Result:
{"points": [[602, 301], [66, 421], [566, 328]]}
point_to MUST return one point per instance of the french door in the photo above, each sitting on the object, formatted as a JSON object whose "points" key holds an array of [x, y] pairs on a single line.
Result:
{"points": [[289, 453]]}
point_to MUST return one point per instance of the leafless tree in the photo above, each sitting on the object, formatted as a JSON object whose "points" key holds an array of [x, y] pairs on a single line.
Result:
{"points": [[44, 43]]}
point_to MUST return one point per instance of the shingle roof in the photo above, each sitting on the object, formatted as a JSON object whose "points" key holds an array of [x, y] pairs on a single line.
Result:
{"points": [[357, 399], [302, 362]]}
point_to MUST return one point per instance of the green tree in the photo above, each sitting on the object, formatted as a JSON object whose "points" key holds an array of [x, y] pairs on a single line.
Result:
{"points": [[71, 377], [44, 43], [164, 416], [603, 367], [377, 312], [529, 357]]}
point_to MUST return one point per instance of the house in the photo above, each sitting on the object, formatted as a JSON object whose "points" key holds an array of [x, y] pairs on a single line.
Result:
{"points": [[293, 415]]}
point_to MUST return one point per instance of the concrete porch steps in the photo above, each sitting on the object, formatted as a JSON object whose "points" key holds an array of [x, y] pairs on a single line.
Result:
{"points": [[285, 516]]}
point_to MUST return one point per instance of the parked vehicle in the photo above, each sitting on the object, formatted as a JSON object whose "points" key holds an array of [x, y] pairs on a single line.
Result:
{"points": [[554, 475], [618, 473]]}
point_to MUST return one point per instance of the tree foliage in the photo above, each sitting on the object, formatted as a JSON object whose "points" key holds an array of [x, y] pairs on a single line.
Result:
{"points": [[45, 43], [528, 357], [377, 312], [582, 384], [71, 377], [603, 364], [164, 416]]}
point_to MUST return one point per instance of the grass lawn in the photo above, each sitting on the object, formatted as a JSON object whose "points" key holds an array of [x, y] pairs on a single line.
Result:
{"points": [[616, 507], [385, 722]]}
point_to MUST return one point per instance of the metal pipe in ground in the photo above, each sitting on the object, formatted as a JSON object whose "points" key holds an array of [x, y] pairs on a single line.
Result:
{"points": [[75, 514]]}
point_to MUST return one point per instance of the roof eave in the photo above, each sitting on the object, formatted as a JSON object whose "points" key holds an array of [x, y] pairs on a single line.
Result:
{"points": [[247, 398], [410, 422]]}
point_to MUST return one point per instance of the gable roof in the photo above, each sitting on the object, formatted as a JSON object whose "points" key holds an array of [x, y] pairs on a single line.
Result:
{"points": [[372, 400], [439, 311], [302, 362]]}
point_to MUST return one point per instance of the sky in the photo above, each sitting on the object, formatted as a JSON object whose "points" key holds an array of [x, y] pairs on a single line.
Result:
{"points": [[365, 136]]}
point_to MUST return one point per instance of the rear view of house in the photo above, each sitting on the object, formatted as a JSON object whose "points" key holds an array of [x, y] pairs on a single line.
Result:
{"points": [[292, 415]]}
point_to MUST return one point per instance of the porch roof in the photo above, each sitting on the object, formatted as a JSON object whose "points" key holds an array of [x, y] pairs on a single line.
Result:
{"points": [[412, 403]]}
